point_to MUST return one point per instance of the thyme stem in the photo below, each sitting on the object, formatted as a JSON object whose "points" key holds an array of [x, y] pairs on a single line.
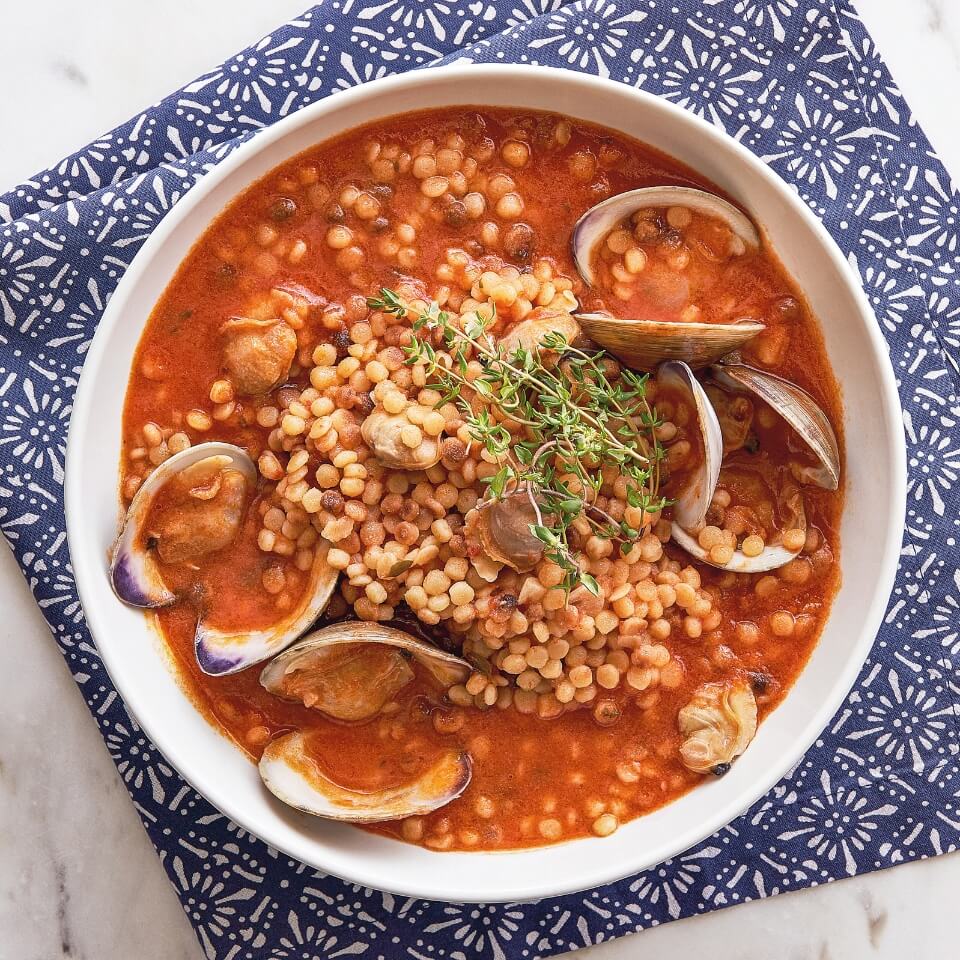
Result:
{"points": [[569, 420]]}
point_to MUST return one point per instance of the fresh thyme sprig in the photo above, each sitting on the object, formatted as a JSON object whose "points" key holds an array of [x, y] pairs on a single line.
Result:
{"points": [[571, 418]]}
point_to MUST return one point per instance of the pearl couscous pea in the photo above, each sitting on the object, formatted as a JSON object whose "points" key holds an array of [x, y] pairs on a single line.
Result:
{"points": [[782, 623], [550, 828], [721, 554], [411, 436], [605, 825], [515, 153], [608, 676], [436, 582], [510, 206], [765, 586], [339, 237], [794, 539], [461, 594], [581, 676], [752, 546]]}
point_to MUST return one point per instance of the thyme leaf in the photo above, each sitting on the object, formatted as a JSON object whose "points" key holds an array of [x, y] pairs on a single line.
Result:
{"points": [[549, 426]]}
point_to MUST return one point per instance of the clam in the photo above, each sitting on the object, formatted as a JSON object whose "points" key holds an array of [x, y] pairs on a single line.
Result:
{"points": [[675, 349], [257, 353], [383, 433], [504, 529], [809, 423], [644, 343], [215, 481], [528, 334], [222, 652], [350, 671], [693, 500], [798, 408], [598, 221], [293, 776], [735, 413], [772, 556], [718, 724]]}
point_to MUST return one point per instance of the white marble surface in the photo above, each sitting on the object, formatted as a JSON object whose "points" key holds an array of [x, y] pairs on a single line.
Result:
{"points": [[78, 877]]}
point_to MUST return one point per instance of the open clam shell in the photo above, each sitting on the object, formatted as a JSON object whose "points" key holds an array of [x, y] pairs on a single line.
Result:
{"points": [[810, 423], [644, 344], [134, 574], [598, 221], [292, 776], [222, 652], [693, 501], [772, 556], [798, 408], [344, 675]]}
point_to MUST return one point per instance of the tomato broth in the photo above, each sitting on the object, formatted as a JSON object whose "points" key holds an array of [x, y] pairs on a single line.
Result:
{"points": [[572, 714]]}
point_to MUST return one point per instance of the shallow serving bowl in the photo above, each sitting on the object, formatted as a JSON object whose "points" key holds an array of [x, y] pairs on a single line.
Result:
{"points": [[870, 535]]}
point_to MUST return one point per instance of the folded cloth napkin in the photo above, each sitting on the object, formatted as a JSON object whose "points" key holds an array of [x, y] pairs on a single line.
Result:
{"points": [[799, 83]]}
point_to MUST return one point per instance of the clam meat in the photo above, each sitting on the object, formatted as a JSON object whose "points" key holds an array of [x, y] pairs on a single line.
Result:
{"points": [[717, 724], [398, 442], [191, 505], [529, 333], [257, 354], [735, 414], [505, 529], [350, 671]]}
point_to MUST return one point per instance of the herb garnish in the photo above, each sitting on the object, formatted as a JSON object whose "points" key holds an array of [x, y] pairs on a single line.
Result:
{"points": [[573, 420]]}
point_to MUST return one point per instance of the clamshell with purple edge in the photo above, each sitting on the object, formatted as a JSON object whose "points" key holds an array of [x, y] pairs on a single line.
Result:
{"points": [[134, 574], [222, 652]]}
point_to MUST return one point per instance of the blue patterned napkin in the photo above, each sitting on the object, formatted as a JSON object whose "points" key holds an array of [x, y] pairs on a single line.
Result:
{"points": [[799, 83]]}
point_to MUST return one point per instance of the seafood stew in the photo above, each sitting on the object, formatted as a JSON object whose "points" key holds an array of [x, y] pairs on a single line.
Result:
{"points": [[466, 510]]}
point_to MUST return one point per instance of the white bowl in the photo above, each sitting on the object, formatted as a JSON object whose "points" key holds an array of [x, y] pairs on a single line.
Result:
{"points": [[870, 534]]}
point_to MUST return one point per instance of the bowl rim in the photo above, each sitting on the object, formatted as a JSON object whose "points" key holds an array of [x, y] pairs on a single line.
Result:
{"points": [[88, 581]]}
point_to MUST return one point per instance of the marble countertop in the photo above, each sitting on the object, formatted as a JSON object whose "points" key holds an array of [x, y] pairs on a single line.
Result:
{"points": [[78, 877]]}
